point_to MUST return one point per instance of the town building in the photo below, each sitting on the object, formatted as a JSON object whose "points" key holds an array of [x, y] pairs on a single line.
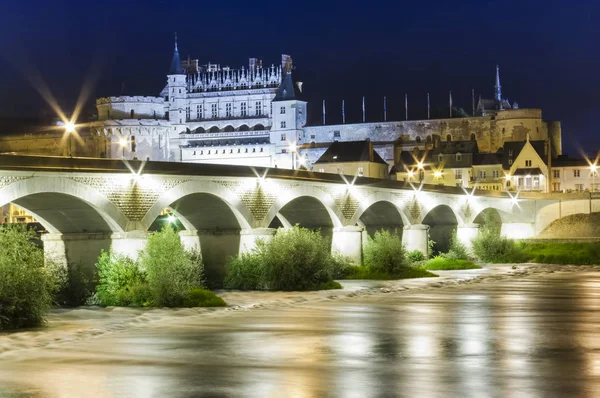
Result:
{"points": [[353, 158]]}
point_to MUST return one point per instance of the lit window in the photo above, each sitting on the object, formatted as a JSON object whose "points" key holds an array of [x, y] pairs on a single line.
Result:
{"points": [[495, 173], [214, 111], [258, 108], [360, 171], [283, 124], [482, 173], [576, 173], [283, 137], [556, 174], [528, 163], [458, 174], [243, 109], [198, 112], [228, 108]]}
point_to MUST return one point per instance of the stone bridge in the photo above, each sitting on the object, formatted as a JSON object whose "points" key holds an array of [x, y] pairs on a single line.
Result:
{"points": [[90, 204]]}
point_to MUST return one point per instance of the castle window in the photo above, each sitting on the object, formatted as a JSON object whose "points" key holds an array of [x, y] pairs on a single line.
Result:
{"points": [[231, 151], [336, 134], [473, 137], [228, 107], [239, 150], [253, 150], [283, 124], [187, 113], [246, 150], [440, 158], [284, 151], [258, 108], [458, 157], [418, 139], [312, 136], [261, 149], [214, 111], [201, 152], [198, 112], [133, 143], [428, 139], [243, 109], [448, 138], [179, 91], [194, 152], [283, 137], [282, 110], [132, 114]]}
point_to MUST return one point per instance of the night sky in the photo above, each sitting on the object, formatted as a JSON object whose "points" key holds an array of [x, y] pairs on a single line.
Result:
{"points": [[548, 51]]}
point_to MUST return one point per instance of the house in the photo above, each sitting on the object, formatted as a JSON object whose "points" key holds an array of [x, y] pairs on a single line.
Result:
{"points": [[574, 175], [487, 172], [526, 165], [352, 158]]}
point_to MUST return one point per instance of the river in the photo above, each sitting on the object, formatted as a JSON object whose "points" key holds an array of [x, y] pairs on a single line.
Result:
{"points": [[529, 334]]}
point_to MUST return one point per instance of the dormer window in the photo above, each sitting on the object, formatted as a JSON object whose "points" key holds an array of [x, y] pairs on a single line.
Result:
{"points": [[440, 158], [459, 157]]}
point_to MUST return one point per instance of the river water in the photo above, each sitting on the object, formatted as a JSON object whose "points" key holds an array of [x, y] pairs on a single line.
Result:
{"points": [[530, 335]]}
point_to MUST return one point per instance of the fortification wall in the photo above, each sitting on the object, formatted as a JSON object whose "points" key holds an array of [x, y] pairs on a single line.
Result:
{"points": [[49, 144], [130, 107]]}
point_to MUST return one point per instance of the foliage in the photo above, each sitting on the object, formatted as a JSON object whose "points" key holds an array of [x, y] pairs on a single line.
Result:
{"points": [[384, 253], [295, 259], [440, 263], [171, 270], [75, 286], [27, 285], [415, 256], [202, 298], [329, 285], [339, 267], [118, 275], [457, 250], [489, 246], [430, 245], [364, 272], [577, 253]]}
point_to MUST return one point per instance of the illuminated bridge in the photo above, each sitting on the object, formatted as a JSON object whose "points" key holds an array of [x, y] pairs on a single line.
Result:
{"points": [[90, 204]]}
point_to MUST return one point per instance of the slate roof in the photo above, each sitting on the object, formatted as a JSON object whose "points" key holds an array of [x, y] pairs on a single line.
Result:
{"points": [[565, 161], [516, 147], [286, 90], [454, 147], [176, 67], [350, 151], [528, 172], [484, 159]]}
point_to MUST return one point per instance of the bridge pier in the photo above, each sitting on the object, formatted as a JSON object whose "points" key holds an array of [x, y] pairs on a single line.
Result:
{"points": [[347, 241], [466, 233], [249, 237], [75, 249], [416, 237], [129, 243], [190, 240], [518, 230]]}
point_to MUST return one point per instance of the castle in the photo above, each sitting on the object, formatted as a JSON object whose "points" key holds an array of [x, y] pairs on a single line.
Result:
{"points": [[255, 116]]}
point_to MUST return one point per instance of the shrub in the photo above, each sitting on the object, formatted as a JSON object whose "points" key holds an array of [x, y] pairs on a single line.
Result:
{"points": [[457, 250], [245, 271], [440, 263], [339, 267], [27, 285], [75, 287], [117, 275], [171, 270], [295, 259], [489, 246], [202, 298], [364, 272], [415, 256], [329, 285], [384, 253]]}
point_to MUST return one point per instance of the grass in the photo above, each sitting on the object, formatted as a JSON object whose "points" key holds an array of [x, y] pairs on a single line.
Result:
{"points": [[329, 285], [363, 272], [203, 298], [440, 263], [577, 253]]}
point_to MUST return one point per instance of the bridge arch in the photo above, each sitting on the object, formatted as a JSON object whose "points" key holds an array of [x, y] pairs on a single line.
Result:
{"points": [[442, 222]]}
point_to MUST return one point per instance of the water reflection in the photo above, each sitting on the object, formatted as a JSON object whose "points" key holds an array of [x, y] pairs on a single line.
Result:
{"points": [[523, 338]]}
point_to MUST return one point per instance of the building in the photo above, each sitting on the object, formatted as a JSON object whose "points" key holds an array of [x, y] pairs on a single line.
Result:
{"points": [[574, 175], [352, 158]]}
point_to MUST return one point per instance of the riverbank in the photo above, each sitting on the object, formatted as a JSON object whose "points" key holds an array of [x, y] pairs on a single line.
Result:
{"points": [[71, 325]]}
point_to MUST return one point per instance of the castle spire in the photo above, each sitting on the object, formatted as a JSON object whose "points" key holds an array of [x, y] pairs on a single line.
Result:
{"points": [[498, 87], [176, 68]]}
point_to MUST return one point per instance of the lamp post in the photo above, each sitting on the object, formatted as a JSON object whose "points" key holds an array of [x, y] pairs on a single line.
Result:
{"points": [[123, 142], [593, 168], [70, 130], [292, 149]]}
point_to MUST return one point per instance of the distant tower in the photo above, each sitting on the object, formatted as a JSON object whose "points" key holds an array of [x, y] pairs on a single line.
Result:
{"points": [[498, 88], [177, 94], [289, 116]]}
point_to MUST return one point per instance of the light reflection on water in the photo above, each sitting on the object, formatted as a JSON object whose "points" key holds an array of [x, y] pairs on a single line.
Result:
{"points": [[527, 338]]}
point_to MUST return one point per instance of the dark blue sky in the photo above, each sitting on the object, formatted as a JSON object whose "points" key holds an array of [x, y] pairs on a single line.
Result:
{"points": [[548, 51]]}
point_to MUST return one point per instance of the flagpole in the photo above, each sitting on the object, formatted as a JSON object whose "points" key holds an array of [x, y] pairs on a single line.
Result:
{"points": [[384, 109], [323, 112], [450, 103], [343, 114], [405, 106], [363, 108], [428, 107], [473, 100]]}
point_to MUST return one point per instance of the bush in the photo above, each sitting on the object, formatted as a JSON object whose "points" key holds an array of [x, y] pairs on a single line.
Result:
{"points": [[561, 253], [202, 298], [339, 267], [171, 270], [440, 263], [415, 256], [329, 285], [27, 285], [118, 275], [295, 259], [384, 253], [457, 250], [489, 246], [75, 287]]}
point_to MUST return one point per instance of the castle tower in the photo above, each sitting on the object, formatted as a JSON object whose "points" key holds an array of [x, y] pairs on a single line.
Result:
{"points": [[289, 117], [177, 94]]}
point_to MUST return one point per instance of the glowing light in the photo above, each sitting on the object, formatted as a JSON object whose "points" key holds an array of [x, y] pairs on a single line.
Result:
{"points": [[514, 200], [293, 147], [437, 174], [171, 219], [123, 142], [411, 174], [420, 165], [507, 177], [70, 127], [594, 167]]}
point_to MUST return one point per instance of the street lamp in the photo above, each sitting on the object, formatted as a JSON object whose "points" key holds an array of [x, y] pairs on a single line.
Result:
{"points": [[70, 130], [123, 142], [593, 168], [292, 148]]}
